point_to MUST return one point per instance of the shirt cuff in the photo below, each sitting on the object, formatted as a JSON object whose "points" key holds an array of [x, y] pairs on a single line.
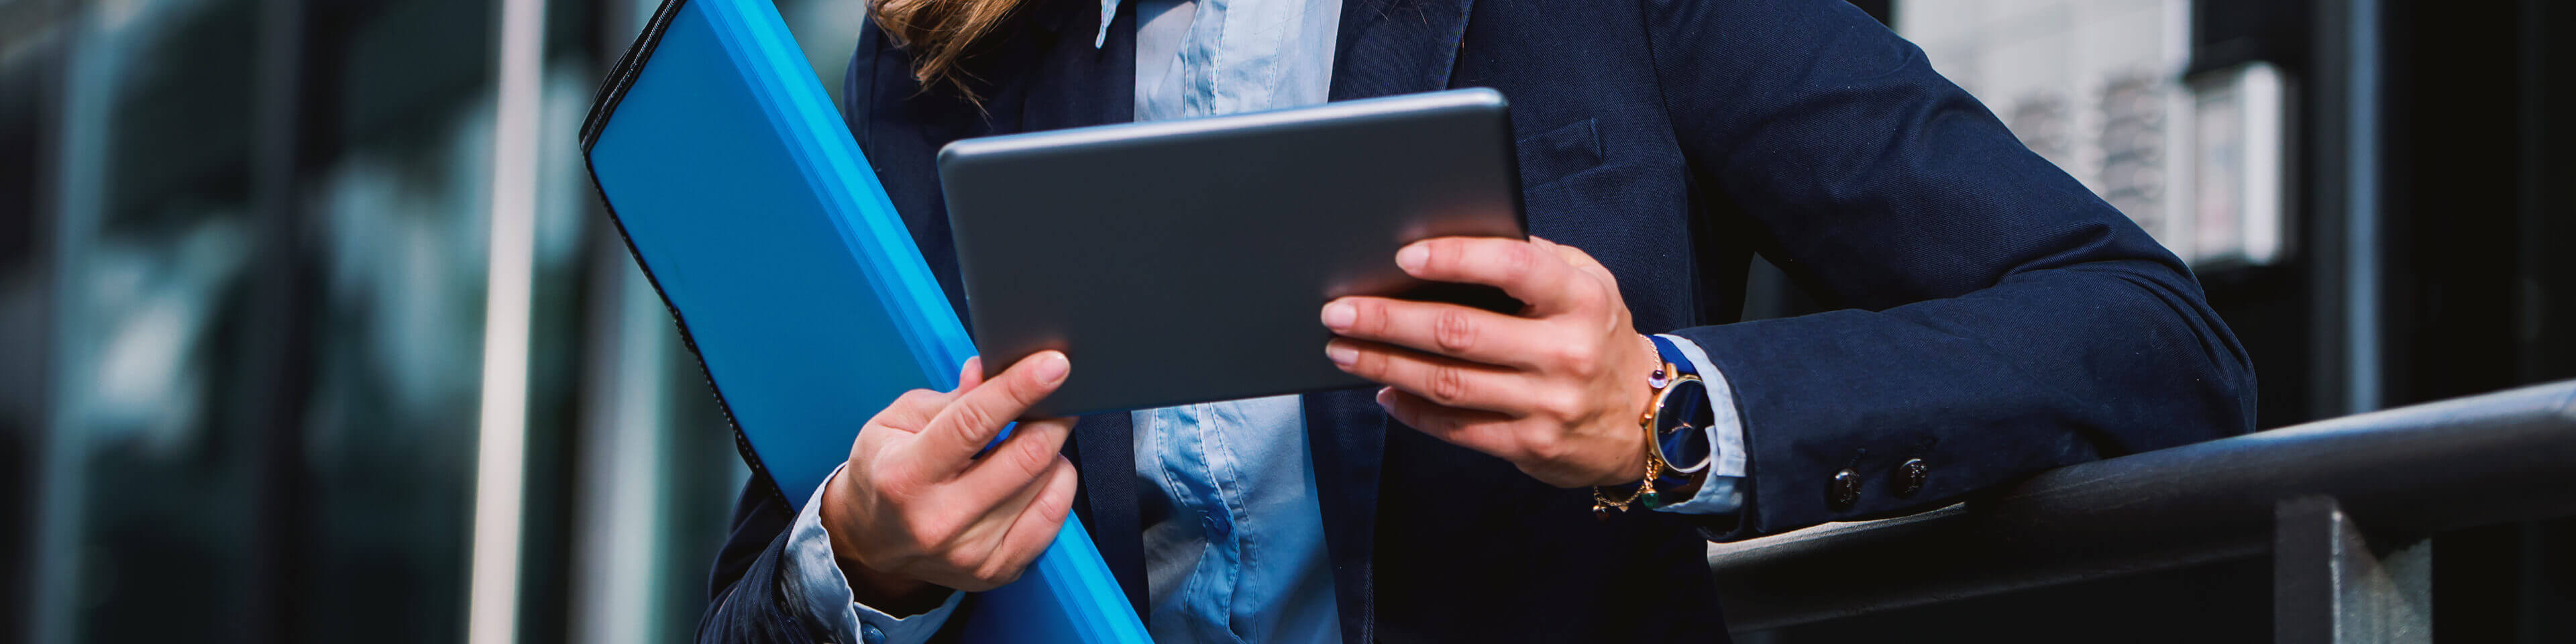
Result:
{"points": [[1720, 493], [816, 579]]}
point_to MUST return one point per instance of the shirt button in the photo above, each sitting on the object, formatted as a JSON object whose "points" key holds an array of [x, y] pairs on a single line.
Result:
{"points": [[1845, 490], [869, 634], [1910, 475]]}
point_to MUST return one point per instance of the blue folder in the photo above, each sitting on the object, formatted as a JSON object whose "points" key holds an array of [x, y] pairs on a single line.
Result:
{"points": [[746, 201]]}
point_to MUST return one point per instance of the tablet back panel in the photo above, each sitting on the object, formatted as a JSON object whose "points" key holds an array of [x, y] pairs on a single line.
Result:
{"points": [[1187, 261], [746, 201]]}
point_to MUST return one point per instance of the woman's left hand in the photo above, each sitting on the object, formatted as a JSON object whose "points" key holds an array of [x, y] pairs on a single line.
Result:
{"points": [[1555, 390]]}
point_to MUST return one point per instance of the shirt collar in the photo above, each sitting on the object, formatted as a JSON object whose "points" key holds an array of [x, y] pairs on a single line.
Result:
{"points": [[1108, 12]]}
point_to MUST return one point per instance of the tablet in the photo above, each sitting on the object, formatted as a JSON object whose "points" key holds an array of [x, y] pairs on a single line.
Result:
{"points": [[1188, 261]]}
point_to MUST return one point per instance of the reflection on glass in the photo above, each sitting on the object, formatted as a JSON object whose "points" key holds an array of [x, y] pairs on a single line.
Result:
{"points": [[166, 316], [149, 421], [261, 404]]}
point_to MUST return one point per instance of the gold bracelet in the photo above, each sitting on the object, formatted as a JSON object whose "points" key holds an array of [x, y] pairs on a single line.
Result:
{"points": [[1645, 494]]}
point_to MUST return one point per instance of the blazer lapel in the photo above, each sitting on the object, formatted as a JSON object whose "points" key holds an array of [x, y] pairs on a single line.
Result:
{"points": [[1078, 84], [1347, 435], [1103, 450], [1397, 46]]}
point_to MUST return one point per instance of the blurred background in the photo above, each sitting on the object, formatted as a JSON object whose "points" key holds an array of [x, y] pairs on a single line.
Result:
{"points": [[251, 389]]}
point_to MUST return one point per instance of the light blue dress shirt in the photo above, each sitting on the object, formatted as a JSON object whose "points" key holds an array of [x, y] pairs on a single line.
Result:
{"points": [[1234, 543], [1234, 538]]}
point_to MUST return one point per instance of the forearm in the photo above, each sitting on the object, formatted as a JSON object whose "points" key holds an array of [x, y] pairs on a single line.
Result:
{"points": [[2048, 368], [2000, 318]]}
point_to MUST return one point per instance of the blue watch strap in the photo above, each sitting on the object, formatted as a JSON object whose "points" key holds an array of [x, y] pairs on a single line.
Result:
{"points": [[1672, 354]]}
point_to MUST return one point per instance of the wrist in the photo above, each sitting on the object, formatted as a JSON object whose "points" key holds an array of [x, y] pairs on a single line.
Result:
{"points": [[890, 593], [1667, 422], [1628, 445], [1635, 444], [1678, 426], [1628, 469]]}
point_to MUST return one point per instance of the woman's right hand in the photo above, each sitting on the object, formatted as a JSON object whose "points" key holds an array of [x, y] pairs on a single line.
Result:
{"points": [[916, 513]]}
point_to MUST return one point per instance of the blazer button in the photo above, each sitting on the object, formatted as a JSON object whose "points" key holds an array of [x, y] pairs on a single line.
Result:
{"points": [[1846, 489], [1910, 475]]}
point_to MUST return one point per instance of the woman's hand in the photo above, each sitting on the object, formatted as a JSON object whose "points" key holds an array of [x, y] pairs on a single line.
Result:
{"points": [[915, 511], [1555, 390]]}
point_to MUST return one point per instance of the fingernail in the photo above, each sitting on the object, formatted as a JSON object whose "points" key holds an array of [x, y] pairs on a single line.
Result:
{"points": [[1341, 352], [1339, 315], [1411, 258], [1386, 397], [1050, 368]]}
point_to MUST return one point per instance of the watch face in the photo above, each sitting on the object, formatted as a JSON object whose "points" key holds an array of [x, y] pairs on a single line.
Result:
{"points": [[1681, 423]]}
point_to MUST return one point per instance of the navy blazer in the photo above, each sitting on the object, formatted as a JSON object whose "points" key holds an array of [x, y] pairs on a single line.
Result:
{"points": [[1995, 318]]}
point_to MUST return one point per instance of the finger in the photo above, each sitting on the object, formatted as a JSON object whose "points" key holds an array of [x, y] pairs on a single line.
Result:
{"points": [[912, 411], [1521, 269], [1036, 526], [897, 424], [983, 535], [1447, 381], [967, 557], [1019, 461], [1474, 335], [1546, 244], [1575, 257], [970, 374], [1482, 431], [957, 433]]}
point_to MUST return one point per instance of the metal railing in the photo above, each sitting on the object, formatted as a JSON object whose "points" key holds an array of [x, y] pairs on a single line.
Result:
{"points": [[2342, 507]]}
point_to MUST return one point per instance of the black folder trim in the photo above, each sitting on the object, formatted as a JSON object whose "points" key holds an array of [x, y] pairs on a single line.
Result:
{"points": [[604, 105], [622, 75]]}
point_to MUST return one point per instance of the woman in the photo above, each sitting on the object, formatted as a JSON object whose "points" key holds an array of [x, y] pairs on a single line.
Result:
{"points": [[2000, 320]]}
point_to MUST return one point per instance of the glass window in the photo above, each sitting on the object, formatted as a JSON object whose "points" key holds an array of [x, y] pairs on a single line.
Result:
{"points": [[260, 274], [397, 203], [153, 461]]}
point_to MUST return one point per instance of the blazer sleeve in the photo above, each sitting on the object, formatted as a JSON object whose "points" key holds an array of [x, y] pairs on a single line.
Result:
{"points": [[2002, 319], [747, 598]]}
